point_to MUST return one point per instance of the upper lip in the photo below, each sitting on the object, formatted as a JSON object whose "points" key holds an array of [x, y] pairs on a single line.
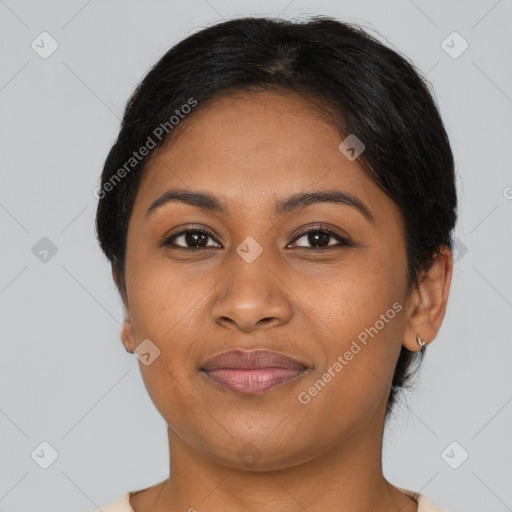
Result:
{"points": [[251, 360]]}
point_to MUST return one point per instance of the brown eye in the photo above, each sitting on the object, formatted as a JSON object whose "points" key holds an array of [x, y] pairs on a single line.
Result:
{"points": [[190, 239], [319, 238]]}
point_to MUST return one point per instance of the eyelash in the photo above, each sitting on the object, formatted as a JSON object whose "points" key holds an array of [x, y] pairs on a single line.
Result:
{"points": [[167, 241]]}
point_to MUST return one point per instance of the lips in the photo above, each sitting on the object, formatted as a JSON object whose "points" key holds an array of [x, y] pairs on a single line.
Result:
{"points": [[251, 360], [252, 372]]}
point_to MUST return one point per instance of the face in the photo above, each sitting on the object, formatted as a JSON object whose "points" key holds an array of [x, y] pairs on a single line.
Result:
{"points": [[201, 281]]}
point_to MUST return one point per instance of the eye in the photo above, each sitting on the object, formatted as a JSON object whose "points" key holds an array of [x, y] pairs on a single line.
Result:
{"points": [[197, 238], [319, 237]]}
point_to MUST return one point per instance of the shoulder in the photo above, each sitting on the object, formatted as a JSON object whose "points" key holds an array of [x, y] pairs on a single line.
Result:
{"points": [[121, 504], [424, 504]]}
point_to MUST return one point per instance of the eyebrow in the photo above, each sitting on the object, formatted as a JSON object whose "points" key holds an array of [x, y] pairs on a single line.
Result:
{"points": [[290, 204]]}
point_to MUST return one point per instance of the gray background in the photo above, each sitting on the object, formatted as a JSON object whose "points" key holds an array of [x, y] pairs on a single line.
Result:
{"points": [[65, 377]]}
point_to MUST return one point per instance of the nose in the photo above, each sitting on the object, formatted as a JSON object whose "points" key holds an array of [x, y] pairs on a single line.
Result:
{"points": [[252, 296]]}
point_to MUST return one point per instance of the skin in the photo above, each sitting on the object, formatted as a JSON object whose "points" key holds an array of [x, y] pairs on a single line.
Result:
{"points": [[251, 151]]}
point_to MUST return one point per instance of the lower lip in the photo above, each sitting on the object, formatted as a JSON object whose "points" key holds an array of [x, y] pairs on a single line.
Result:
{"points": [[250, 382]]}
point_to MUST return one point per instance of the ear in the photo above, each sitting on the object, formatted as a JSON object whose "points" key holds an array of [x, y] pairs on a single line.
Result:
{"points": [[127, 335], [427, 303]]}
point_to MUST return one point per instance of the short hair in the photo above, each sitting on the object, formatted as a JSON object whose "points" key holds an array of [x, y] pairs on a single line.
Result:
{"points": [[366, 88]]}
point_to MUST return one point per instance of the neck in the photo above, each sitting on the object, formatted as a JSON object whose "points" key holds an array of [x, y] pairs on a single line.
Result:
{"points": [[347, 478]]}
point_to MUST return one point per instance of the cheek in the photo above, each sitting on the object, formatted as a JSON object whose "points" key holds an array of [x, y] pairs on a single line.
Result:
{"points": [[351, 296], [364, 313], [169, 307], [359, 309], [159, 295], [164, 305]]}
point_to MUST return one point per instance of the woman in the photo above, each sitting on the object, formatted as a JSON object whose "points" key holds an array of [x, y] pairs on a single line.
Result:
{"points": [[277, 211]]}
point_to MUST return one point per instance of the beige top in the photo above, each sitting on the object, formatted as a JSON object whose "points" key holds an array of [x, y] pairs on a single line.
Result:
{"points": [[123, 504]]}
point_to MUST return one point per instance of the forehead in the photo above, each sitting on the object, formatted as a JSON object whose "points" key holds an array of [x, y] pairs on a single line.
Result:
{"points": [[260, 131], [251, 147]]}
